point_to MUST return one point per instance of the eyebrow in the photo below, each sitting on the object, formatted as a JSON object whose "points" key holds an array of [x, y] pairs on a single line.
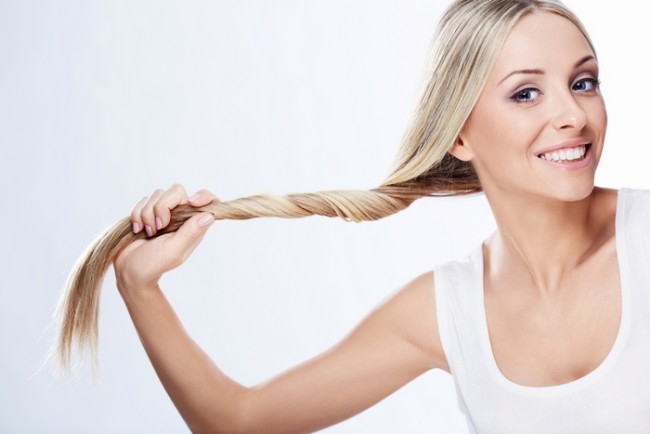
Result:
{"points": [[579, 63]]}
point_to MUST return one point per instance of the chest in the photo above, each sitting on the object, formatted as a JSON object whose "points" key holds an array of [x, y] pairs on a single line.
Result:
{"points": [[544, 340]]}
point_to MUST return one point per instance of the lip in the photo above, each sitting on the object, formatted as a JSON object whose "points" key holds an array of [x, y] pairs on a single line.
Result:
{"points": [[567, 144], [570, 165]]}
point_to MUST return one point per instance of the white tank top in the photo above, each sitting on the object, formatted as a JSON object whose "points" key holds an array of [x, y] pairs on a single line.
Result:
{"points": [[614, 398]]}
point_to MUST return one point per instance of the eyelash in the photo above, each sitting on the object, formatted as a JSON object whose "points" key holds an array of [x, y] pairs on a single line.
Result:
{"points": [[516, 97], [594, 82]]}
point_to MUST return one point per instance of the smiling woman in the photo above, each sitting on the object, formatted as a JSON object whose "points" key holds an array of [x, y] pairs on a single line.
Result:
{"points": [[541, 102], [543, 327]]}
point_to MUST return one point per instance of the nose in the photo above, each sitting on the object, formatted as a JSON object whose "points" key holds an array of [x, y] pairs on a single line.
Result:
{"points": [[568, 113]]}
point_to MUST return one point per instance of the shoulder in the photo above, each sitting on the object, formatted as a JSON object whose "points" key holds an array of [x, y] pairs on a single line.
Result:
{"points": [[632, 218], [634, 197], [628, 207]]}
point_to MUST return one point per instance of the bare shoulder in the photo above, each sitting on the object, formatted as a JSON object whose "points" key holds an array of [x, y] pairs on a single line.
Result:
{"points": [[411, 313]]}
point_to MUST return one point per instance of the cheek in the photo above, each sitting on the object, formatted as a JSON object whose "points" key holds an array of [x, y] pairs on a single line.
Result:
{"points": [[602, 116], [498, 133], [597, 113], [483, 130]]}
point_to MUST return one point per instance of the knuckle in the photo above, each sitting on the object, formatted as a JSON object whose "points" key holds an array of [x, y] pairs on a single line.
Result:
{"points": [[159, 208], [147, 207], [208, 193], [177, 188], [138, 206], [147, 213]]}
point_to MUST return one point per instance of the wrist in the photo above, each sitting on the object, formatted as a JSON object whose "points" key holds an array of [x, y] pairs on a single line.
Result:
{"points": [[130, 289]]}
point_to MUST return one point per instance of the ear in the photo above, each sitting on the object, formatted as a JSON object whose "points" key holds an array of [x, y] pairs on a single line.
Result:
{"points": [[461, 151]]}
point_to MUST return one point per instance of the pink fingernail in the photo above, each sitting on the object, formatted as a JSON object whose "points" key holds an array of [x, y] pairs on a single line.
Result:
{"points": [[159, 223], [193, 197], [148, 230], [205, 220], [136, 227]]}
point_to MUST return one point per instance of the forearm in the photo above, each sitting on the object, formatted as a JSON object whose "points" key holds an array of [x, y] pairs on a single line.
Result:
{"points": [[207, 399], [389, 348]]}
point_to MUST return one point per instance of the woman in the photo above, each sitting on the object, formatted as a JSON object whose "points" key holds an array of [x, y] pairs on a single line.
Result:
{"points": [[542, 328]]}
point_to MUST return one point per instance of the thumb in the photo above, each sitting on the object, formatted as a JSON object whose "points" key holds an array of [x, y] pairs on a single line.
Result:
{"points": [[190, 234]]}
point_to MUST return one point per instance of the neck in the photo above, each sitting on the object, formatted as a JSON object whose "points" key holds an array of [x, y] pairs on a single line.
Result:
{"points": [[543, 238]]}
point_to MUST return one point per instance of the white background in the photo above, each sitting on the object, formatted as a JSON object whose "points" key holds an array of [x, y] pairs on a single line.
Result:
{"points": [[101, 102]]}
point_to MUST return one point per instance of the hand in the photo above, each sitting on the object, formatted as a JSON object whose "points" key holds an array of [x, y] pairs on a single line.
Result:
{"points": [[141, 264]]}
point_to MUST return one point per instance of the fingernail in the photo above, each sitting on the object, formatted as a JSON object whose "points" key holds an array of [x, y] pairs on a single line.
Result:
{"points": [[205, 220], [158, 223], [136, 227], [193, 197], [148, 230]]}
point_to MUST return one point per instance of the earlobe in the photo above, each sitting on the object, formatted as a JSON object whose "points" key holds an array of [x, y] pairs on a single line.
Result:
{"points": [[461, 151]]}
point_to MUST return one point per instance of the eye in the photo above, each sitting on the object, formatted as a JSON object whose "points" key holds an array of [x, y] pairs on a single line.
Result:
{"points": [[588, 84], [524, 96]]}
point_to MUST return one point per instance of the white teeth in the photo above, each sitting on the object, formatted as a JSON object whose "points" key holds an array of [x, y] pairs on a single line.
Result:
{"points": [[570, 154]]}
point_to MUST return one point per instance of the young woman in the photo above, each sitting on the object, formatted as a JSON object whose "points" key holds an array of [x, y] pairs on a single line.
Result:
{"points": [[545, 328]]}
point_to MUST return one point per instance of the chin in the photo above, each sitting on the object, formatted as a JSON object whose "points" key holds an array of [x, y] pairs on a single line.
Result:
{"points": [[574, 192]]}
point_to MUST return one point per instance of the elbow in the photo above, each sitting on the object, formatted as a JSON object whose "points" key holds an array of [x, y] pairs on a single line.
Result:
{"points": [[237, 420], [232, 426]]}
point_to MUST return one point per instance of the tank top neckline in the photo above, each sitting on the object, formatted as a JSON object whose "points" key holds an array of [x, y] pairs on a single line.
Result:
{"points": [[615, 350]]}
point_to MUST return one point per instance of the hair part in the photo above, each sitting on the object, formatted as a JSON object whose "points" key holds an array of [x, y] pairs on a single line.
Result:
{"points": [[469, 38]]}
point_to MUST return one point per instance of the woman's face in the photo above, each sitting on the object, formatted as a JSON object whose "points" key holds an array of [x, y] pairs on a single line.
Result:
{"points": [[539, 124]]}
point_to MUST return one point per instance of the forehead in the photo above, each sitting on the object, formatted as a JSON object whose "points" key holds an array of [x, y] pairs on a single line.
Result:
{"points": [[541, 39]]}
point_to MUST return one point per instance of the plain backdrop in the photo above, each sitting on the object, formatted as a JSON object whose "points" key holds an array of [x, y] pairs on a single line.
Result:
{"points": [[103, 101]]}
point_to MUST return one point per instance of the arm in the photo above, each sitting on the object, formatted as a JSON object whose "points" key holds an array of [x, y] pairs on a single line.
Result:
{"points": [[394, 344]]}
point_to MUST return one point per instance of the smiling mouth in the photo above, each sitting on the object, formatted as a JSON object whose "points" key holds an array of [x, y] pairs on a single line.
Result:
{"points": [[576, 153]]}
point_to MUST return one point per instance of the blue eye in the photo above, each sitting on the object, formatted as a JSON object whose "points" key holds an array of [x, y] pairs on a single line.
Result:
{"points": [[586, 85], [524, 96]]}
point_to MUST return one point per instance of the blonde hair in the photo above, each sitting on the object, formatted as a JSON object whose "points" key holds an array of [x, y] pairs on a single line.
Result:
{"points": [[469, 37]]}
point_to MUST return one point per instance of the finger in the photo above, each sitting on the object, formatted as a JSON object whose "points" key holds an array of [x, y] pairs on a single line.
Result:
{"points": [[202, 198], [190, 235], [147, 213], [170, 199], [136, 219]]}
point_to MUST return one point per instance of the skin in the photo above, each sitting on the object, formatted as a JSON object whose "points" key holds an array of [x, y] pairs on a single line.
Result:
{"points": [[551, 275], [552, 270]]}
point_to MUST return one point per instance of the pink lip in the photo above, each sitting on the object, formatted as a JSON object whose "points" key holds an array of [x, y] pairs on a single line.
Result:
{"points": [[580, 141], [571, 165]]}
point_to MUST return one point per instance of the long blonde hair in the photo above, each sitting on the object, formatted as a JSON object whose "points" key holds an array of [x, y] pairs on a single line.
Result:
{"points": [[468, 39]]}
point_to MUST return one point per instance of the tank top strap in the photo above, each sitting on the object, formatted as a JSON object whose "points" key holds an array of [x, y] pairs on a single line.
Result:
{"points": [[458, 287]]}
